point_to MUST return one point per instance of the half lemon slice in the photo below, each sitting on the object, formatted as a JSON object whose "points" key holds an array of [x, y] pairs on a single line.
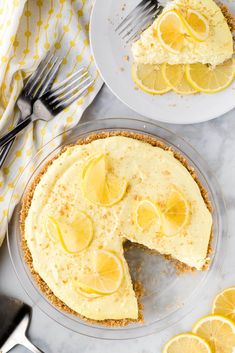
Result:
{"points": [[75, 236], [100, 185], [187, 343], [208, 79], [175, 214], [218, 331], [149, 78], [106, 276], [148, 216]]}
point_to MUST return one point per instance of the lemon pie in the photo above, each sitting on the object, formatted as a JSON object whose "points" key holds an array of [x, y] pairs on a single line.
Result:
{"points": [[90, 199], [171, 40], [188, 49]]}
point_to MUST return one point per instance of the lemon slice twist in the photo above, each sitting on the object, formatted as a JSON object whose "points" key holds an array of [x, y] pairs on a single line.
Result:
{"points": [[175, 215], [148, 216], [175, 28], [73, 237], [100, 186]]}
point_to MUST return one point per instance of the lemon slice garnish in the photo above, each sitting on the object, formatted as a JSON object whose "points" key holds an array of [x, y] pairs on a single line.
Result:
{"points": [[197, 25], [174, 28], [148, 216], [175, 76], [101, 186], [218, 331], [187, 343], [51, 228], [105, 278], [171, 31], [85, 291], [75, 236], [224, 303], [149, 78], [208, 79], [175, 214]]}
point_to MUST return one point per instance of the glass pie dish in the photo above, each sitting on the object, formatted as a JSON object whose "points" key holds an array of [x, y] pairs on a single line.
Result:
{"points": [[168, 297]]}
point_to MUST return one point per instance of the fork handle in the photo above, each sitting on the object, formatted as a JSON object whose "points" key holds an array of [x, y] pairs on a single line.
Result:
{"points": [[4, 151], [10, 135]]}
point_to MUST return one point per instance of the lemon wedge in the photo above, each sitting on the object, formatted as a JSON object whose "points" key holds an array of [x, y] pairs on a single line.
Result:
{"points": [[106, 276], [101, 186], [210, 79], [148, 216], [171, 31], [175, 76], [74, 237], [224, 303], [175, 214], [149, 78], [187, 343], [218, 331], [197, 25]]}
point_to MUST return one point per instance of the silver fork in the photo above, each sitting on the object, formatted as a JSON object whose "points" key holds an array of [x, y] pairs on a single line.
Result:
{"points": [[141, 17], [55, 100], [37, 84]]}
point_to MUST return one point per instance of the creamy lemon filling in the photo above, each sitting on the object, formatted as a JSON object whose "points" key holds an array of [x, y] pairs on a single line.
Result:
{"points": [[178, 222], [214, 50]]}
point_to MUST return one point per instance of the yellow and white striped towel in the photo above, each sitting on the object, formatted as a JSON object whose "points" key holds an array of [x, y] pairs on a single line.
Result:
{"points": [[28, 29]]}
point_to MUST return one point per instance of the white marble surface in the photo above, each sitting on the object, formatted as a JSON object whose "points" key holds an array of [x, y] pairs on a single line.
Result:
{"points": [[215, 141]]}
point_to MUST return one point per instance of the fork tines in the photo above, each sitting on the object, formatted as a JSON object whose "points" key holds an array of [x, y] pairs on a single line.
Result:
{"points": [[69, 90], [139, 19], [42, 79]]}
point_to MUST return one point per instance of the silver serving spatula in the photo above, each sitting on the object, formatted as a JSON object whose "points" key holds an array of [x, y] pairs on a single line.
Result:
{"points": [[14, 321]]}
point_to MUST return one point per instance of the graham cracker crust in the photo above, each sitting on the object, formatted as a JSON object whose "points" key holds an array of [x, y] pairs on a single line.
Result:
{"points": [[230, 18], [138, 288]]}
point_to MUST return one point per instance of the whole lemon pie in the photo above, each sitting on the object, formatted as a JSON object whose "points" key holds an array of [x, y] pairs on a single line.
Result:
{"points": [[188, 49], [91, 198]]}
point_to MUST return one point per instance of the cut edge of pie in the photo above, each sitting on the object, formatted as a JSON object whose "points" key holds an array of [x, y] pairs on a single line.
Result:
{"points": [[137, 286]]}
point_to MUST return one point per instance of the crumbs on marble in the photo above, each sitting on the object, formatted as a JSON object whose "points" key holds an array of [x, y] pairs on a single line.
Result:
{"points": [[126, 58], [110, 21], [172, 105], [123, 8]]}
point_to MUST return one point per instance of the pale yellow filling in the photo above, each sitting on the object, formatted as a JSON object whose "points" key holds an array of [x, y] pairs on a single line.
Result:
{"points": [[150, 172]]}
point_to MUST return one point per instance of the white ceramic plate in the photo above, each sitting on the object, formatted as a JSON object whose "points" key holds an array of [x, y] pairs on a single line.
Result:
{"points": [[109, 52]]}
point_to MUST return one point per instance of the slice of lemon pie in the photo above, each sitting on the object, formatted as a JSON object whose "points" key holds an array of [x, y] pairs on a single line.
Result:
{"points": [[187, 32], [185, 49], [90, 199]]}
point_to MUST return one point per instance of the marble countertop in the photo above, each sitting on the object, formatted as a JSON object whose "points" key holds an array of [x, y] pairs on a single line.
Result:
{"points": [[215, 141]]}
